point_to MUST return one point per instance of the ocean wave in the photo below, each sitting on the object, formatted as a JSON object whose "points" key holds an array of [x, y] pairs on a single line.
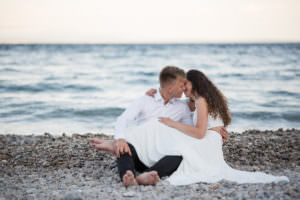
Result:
{"points": [[284, 93], [147, 73], [81, 113], [45, 87], [292, 116], [25, 104], [16, 110], [238, 75], [14, 113], [6, 69], [141, 81]]}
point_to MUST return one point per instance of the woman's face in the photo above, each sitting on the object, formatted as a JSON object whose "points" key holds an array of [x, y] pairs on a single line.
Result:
{"points": [[188, 88]]}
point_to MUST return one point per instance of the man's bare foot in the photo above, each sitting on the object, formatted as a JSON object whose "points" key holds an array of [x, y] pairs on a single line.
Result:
{"points": [[96, 140], [103, 145], [128, 179], [148, 178]]}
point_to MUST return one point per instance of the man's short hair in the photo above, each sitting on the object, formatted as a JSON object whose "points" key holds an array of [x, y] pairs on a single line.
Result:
{"points": [[169, 74]]}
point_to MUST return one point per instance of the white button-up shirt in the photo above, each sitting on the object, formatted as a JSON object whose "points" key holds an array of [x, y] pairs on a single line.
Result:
{"points": [[146, 108]]}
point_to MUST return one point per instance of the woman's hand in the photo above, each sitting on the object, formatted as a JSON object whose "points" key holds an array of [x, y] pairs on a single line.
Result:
{"points": [[167, 121], [151, 92]]}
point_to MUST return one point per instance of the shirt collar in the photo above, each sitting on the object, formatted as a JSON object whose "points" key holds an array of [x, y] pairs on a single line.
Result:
{"points": [[158, 97]]}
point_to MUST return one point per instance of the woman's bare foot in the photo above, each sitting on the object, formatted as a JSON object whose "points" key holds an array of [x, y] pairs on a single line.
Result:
{"points": [[148, 178], [103, 145], [128, 179]]}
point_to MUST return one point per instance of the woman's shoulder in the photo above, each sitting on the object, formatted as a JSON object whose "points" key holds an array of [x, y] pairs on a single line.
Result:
{"points": [[201, 102]]}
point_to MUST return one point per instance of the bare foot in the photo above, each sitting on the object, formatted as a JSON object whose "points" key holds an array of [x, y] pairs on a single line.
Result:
{"points": [[148, 178], [128, 179], [103, 145], [96, 140]]}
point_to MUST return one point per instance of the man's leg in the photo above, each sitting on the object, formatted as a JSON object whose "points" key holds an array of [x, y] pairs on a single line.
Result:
{"points": [[166, 166], [126, 169], [138, 164], [126, 162]]}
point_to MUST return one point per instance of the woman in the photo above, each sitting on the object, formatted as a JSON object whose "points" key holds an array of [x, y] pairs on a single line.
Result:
{"points": [[200, 148]]}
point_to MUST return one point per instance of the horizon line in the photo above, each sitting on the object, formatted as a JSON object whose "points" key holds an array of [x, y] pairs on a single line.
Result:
{"points": [[149, 43]]}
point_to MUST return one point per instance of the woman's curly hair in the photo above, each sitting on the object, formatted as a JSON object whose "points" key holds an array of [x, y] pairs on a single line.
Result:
{"points": [[216, 101]]}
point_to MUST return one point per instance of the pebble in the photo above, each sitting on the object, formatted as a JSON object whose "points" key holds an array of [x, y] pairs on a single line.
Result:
{"points": [[129, 194], [72, 196], [63, 167]]}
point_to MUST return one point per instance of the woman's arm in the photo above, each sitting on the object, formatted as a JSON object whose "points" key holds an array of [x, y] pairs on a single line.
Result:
{"points": [[197, 131], [151, 92]]}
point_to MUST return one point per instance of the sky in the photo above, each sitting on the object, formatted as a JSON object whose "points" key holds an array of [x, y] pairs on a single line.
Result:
{"points": [[149, 21]]}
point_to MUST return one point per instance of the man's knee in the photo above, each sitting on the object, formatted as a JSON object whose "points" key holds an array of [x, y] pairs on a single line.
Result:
{"points": [[175, 159], [168, 165]]}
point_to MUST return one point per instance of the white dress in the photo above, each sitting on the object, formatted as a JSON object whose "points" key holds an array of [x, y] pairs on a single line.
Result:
{"points": [[203, 159]]}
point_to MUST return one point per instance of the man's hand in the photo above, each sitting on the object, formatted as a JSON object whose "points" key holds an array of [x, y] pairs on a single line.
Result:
{"points": [[222, 131], [122, 147]]}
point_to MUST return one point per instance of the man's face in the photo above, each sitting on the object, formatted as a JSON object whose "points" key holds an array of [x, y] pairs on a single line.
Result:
{"points": [[188, 88], [177, 87]]}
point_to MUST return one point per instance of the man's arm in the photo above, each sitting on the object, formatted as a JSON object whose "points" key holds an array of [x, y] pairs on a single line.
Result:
{"points": [[126, 117], [222, 131]]}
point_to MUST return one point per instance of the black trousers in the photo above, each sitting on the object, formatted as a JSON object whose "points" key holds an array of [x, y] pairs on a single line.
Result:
{"points": [[164, 167]]}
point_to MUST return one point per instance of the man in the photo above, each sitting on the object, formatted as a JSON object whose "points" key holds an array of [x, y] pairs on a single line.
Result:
{"points": [[165, 103]]}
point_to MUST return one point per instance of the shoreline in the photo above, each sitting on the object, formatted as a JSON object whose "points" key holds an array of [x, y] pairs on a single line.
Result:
{"points": [[111, 134], [66, 167]]}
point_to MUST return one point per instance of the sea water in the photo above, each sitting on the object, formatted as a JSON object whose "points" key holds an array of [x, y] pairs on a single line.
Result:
{"points": [[59, 88]]}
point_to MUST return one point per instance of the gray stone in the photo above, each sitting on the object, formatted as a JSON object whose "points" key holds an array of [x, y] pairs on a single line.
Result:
{"points": [[62, 177], [72, 196], [129, 194]]}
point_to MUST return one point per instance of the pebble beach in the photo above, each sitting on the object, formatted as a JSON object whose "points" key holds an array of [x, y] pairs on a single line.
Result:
{"points": [[68, 168]]}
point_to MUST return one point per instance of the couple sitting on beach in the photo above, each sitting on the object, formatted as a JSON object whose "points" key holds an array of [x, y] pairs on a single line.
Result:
{"points": [[158, 135]]}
